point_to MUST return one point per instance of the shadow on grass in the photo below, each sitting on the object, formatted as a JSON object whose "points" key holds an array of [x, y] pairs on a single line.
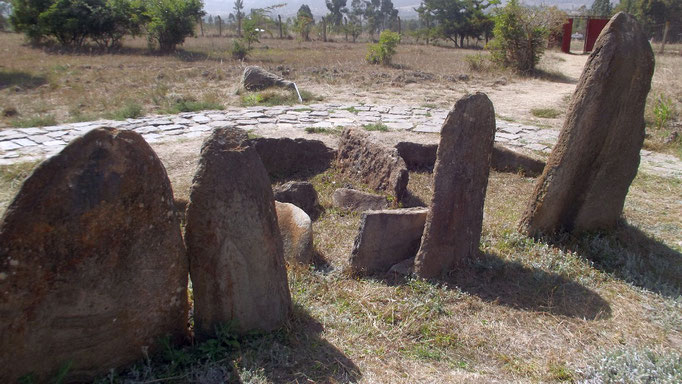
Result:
{"points": [[554, 76], [515, 285], [303, 356], [21, 79], [631, 255]]}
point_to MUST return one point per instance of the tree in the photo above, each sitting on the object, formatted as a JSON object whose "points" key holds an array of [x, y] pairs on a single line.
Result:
{"points": [[5, 11], [457, 20], [520, 34], [336, 11], [239, 15], [304, 22], [25, 18], [602, 8], [382, 52], [654, 14], [171, 21]]}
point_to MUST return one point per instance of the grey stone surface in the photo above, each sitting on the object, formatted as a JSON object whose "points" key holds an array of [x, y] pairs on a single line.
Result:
{"points": [[301, 194], [385, 238], [524, 135]]}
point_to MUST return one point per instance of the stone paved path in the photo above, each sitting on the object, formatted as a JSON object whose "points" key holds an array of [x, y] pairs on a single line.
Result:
{"points": [[23, 144]]}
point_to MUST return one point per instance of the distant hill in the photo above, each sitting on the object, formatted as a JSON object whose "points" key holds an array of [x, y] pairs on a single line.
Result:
{"points": [[405, 7]]}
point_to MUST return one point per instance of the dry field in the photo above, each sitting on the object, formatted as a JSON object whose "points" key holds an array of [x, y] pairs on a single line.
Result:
{"points": [[527, 311]]}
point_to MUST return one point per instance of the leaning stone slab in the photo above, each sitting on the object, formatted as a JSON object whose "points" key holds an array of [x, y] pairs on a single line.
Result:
{"points": [[297, 232], [385, 238], [589, 171], [373, 163], [284, 157], [92, 264], [233, 241], [453, 226], [354, 200]]}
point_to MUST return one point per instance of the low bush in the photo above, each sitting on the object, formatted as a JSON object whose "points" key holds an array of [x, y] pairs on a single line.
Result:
{"points": [[383, 51]]}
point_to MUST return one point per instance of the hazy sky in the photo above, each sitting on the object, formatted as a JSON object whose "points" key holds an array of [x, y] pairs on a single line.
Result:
{"points": [[319, 8]]}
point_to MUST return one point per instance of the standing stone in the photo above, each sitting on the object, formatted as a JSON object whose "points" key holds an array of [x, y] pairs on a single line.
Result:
{"points": [[297, 232], [589, 171], [373, 163], [233, 241], [92, 264], [453, 225], [385, 238], [286, 158]]}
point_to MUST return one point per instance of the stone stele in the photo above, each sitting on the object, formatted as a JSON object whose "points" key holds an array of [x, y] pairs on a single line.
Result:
{"points": [[92, 265], [589, 171]]}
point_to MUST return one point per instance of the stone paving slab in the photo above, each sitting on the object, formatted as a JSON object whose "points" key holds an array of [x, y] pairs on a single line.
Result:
{"points": [[25, 144]]}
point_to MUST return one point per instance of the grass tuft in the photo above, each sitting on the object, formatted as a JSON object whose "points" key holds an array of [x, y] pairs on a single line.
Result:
{"points": [[130, 110], [546, 113], [376, 127], [35, 121]]}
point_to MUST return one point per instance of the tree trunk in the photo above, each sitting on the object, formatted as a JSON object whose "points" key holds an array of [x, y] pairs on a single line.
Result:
{"points": [[279, 17]]}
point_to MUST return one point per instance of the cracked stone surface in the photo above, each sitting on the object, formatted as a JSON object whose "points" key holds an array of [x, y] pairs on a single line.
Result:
{"points": [[26, 144]]}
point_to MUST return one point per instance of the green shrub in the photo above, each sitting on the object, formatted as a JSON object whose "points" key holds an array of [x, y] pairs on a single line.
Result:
{"points": [[131, 110], [171, 21], [73, 22], [663, 111], [383, 51], [239, 51], [477, 62], [520, 35]]}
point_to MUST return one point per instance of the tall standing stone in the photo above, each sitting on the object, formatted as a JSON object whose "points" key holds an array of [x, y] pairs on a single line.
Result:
{"points": [[454, 222], [92, 264], [233, 241], [584, 184]]}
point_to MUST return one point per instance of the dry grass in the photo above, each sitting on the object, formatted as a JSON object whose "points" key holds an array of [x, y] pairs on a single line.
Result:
{"points": [[526, 311], [83, 86]]}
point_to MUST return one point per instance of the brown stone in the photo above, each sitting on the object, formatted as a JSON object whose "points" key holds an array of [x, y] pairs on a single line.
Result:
{"points": [[233, 241], [420, 157], [380, 167], [353, 200], [256, 78], [385, 238], [301, 194], [454, 222], [506, 160], [589, 171], [285, 158], [417, 157], [92, 264], [297, 232]]}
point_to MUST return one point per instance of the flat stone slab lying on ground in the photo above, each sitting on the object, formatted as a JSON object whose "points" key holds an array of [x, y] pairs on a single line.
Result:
{"points": [[298, 118], [354, 200], [92, 264], [386, 238], [233, 240]]}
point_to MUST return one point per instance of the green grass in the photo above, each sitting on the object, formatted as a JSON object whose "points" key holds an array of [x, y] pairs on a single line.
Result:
{"points": [[328, 131], [272, 97], [376, 127], [193, 106], [130, 110], [352, 110], [546, 113], [35, 121]]}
